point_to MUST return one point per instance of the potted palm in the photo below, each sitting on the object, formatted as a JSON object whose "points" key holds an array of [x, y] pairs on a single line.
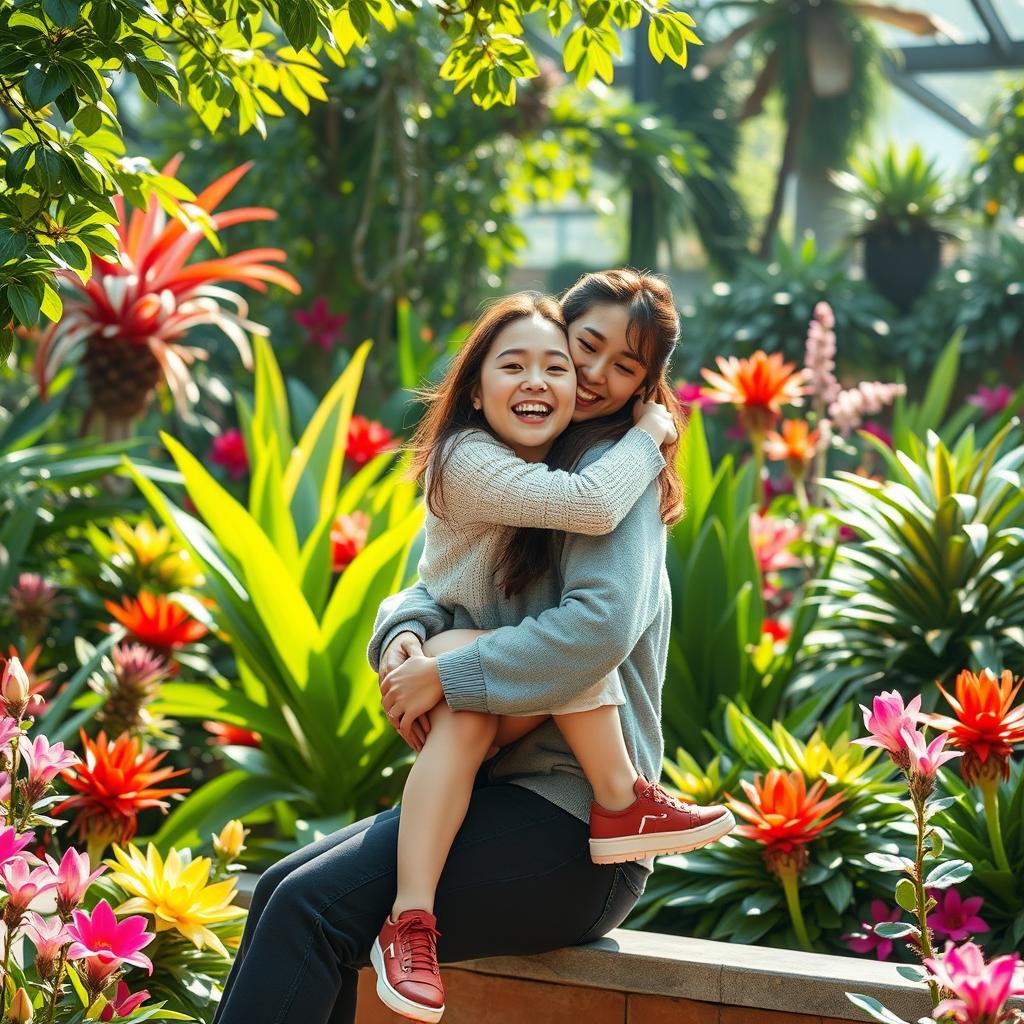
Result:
{"points": [[901, 202]]}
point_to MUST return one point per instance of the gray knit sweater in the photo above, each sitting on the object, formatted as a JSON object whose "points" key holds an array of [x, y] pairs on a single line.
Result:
{"points": [[488, 490], [610, 609]]}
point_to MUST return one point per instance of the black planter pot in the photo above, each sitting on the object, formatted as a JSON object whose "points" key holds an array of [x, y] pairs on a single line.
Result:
{"points": [[901, 265]]}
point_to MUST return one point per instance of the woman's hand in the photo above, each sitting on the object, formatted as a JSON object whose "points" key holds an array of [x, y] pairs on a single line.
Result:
{"points": [[402, 647], [409, 692], [656, 420]]}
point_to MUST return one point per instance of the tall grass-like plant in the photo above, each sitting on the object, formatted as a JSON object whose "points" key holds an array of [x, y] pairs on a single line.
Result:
{"points": [[298, 630], [933, 582]]}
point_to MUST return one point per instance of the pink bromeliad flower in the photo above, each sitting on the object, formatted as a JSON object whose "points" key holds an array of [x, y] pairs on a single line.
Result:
{"points": [[73, 878], [124, 1003], [23, 885], [980, 990], [886, 721], [868, 941], [103, 944], [11, 843], [954, 918], [927, 758]]}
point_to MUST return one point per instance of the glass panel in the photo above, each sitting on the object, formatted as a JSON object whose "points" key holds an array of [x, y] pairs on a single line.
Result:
{"points": [[1012, 13]]}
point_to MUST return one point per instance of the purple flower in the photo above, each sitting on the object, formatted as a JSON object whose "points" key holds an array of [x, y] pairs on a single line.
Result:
{"points": [[991, 401], [876, 429]]}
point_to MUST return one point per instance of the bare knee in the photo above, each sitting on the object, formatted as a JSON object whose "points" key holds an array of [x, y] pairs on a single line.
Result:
{"points": [[465, 727], [451, 640]]}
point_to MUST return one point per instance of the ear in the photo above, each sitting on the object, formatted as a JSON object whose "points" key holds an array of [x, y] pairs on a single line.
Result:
{"points": [[475, 395]]}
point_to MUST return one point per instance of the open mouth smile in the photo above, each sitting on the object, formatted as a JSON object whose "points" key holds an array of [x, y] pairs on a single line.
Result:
{"points": [[532, 412]]}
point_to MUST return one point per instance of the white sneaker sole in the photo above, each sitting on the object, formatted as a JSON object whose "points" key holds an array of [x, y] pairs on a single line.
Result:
{"points": [[394, 999], [626, 848]]}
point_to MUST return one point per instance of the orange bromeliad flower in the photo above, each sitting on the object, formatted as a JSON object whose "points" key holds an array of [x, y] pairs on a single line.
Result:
{"points": [[796, 444], [785, 816], [760, 386], [113, 783], [156, 621], [986, 726]]}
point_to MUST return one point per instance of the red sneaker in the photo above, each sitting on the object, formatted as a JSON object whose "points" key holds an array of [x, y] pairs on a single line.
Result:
{"points": [[404, 955], [655, 823]]}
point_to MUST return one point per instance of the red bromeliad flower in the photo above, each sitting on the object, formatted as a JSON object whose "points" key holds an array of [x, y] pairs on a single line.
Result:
{"points": [[134, 314], [228, 451], [986, 727], [759, 386], [113, 783], [224, 735], [366, 440], [777, 630], [348, 538], [785, 816], [157, 621]]}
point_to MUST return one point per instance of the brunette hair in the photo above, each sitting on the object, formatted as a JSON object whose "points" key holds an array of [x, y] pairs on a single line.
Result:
{"points": [[449, 404], [652, 331]]}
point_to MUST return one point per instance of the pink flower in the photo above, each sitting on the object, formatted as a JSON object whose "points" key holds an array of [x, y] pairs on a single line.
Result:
{"points": [[875, 429], [869, 941], [693, 394], [43, 761], [9, 730], [104, 943], [820, 353], [991, 401], [47, 935], [869, 397], [955, 918], [927, 758], [771, 538], [980, 989], [23, 885], [228, 451], [323, 328], [11, 843], [124, 1003], [887, 720], [73, 878]]}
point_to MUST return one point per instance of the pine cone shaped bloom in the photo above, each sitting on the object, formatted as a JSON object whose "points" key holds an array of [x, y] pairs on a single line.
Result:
{"points": [[986, 726], [175, 893], [33, 602], [134, 314], [115, 782], [157, 621], [759, 386], [784, 816], [137, 674]]}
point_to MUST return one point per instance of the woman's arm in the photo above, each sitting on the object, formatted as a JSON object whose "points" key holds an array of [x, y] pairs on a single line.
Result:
{"points": [[485, 482], [611, 594], [411, 610]]}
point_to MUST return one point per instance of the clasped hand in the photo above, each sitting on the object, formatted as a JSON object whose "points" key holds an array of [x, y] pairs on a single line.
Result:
{"points": [[408, 692]]}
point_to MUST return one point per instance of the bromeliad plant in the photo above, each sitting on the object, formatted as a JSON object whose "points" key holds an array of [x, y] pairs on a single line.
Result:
{"points": [[297, 628]]}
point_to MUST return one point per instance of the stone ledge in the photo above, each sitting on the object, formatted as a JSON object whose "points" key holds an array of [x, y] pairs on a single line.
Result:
{"points": [[722, 980]]}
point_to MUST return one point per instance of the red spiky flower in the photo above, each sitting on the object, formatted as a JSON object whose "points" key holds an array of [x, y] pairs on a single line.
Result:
{"points": [[157, 621]]}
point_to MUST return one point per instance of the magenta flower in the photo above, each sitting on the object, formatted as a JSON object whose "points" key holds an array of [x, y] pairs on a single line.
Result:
{"points": [[9, 730], [104, 943], [23, 885], [11, 843], [991, 401], [980, 989], [954, 918], [868, 941], [228, 451], [876, 429], [690, 393], [927, 758], [73, 878], [323, 328], [124, 1003], [886, 721], [43, 761]]}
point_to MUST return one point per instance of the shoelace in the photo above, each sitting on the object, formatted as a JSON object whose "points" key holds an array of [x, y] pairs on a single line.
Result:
{"points": [[418, 941], [659, 796]]}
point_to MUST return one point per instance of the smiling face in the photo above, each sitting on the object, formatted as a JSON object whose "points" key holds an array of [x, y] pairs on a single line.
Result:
{"points": [[527, 386], [609, 370]]}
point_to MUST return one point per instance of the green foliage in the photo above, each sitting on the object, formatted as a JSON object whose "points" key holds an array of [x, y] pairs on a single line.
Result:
{"points": [[303, 681], [896, 192], [933, 584], [996, 177], [725, 891], [717, 609], [768, 306]]}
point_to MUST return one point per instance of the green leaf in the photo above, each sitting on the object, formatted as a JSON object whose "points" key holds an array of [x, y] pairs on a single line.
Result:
{"points": [[17, 162], [906, 895], [298, 21], [63, 13], [953, 872], [12, 244], [874, 1009], [6, 343], [895, 929], [24, 304]]}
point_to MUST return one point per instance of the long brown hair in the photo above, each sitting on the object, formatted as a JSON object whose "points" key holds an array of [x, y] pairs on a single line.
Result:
{"points": [[652, 331], [449, 404]]}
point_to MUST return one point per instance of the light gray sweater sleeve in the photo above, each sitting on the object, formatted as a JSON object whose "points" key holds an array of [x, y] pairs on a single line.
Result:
{"points": [[609, 598], [484, 481], [412, 609]]}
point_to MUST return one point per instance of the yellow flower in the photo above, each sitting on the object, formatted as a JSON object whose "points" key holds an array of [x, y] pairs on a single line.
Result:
{"points": [[152, 552], [686, 777], [231, 840], [175, 893]]}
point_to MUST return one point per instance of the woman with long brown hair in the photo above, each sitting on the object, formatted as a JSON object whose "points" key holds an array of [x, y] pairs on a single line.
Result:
{"points": [[565, 610]]}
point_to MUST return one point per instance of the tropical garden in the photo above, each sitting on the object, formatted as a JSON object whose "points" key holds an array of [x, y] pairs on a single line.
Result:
{"points": [[234, 243]]}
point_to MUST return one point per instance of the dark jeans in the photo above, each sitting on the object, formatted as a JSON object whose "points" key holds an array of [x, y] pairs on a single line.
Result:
{"points": [[519, 880]]}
